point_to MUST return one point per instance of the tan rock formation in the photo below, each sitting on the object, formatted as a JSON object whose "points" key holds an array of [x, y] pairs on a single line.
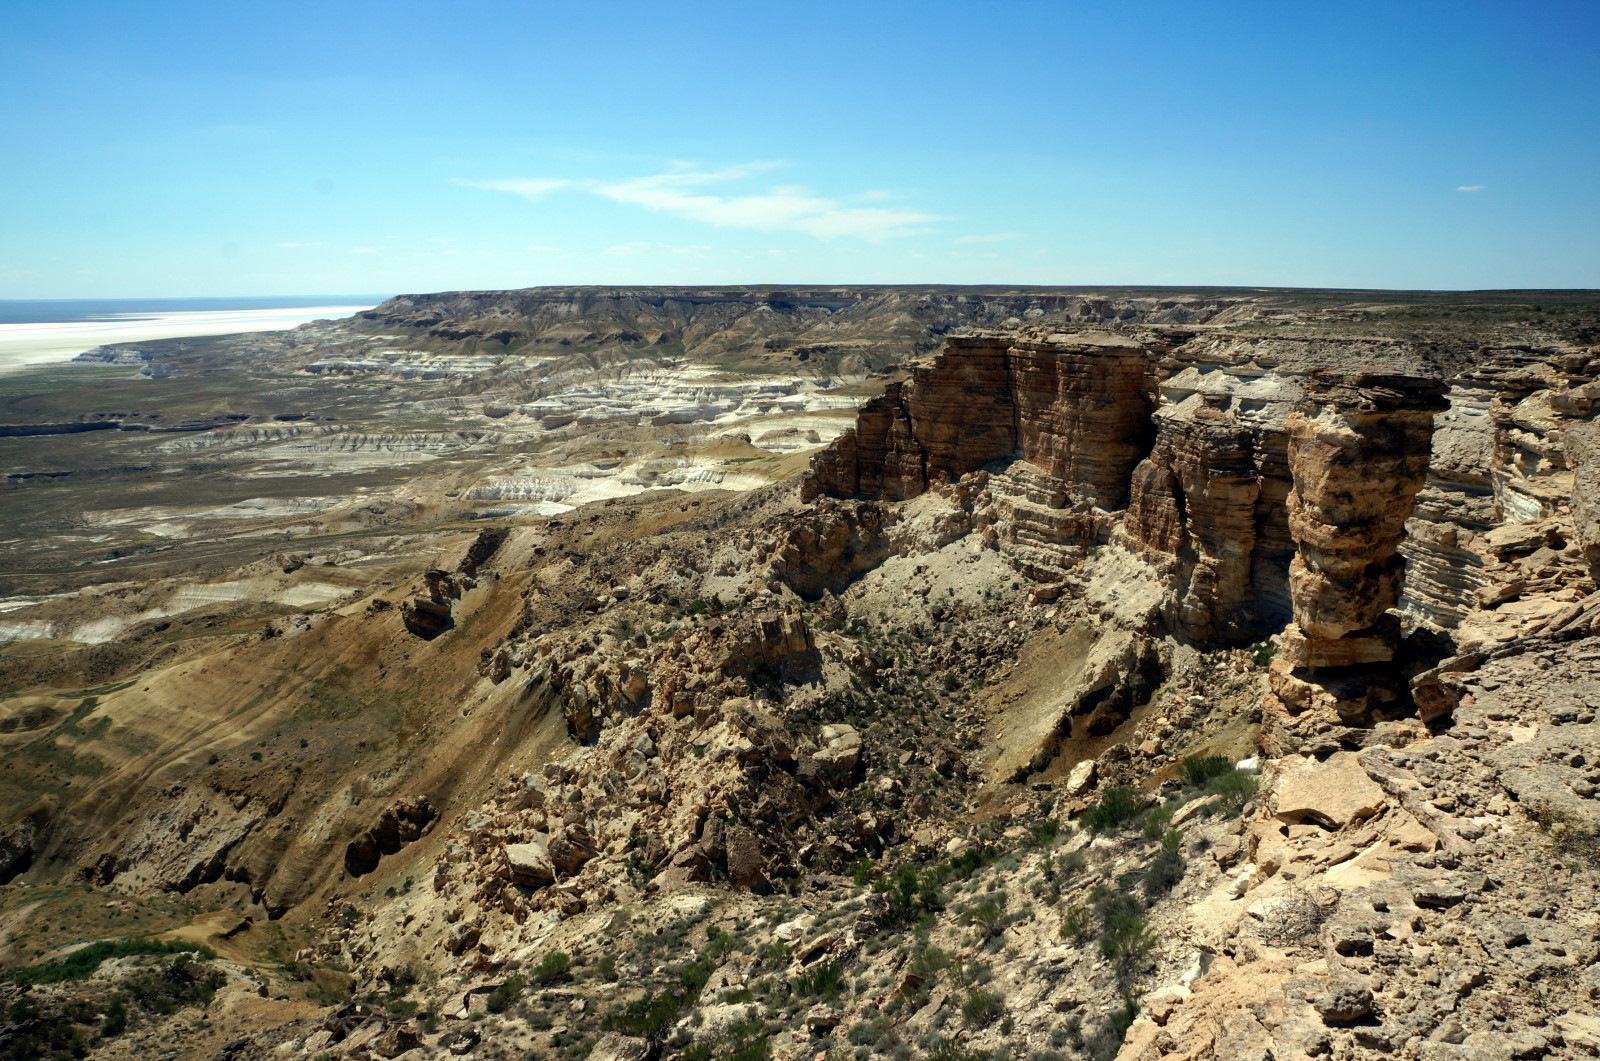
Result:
{"points": [[1074, 405], [1583, 457], [1358, 452], [1209, 502]]}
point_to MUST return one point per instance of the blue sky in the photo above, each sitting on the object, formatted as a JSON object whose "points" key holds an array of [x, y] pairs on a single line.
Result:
{"points": [[176, 149]]}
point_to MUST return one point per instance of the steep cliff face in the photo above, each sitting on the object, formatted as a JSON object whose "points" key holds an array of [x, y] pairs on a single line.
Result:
{"points": [[1358, 451], [1083, 414], [1074, 406], [1180, 451], [1444, 570], [1583, 456], [952, 417], [1209, 501]]}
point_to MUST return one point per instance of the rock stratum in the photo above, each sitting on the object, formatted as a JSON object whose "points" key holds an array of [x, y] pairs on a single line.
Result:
{"points": [[689, 673]]}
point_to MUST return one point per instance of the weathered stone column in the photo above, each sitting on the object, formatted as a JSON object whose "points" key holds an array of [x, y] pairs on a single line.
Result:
{"points": [[1359, 447]]}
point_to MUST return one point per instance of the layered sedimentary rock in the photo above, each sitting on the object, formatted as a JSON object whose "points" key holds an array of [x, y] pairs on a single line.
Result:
{"points": [[1082, 411], [950, 418], [1177, 447], [1209, 502], [1444, 570], [1358, 451], [1075, 406], [1583, 456]]}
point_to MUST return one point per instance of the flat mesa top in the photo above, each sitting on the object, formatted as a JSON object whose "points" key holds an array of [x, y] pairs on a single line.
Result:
{"points": [[1055, 338], [1091, 339]]}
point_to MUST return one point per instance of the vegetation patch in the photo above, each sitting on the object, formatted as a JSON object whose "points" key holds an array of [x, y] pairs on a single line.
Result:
{"points": [[81, 964]]}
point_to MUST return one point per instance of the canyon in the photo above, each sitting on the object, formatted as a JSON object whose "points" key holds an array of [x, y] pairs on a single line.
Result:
{"points": [[820, 672]]}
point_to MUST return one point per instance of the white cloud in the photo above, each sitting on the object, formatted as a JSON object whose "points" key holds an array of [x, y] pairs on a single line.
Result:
{"points": [[542, 248], [292, 243], [994, 237], [684, 192], [667, 248], [528, 189], [1471, 187]]}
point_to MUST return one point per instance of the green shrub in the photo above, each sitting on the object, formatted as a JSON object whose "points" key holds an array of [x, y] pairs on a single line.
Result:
{"points": [[989, 917], [1155, 823], [1076, 922], [1127, 940], [1044, 832], [1106, 1043], [1236, 787], [82, 963], [928, 963], [182, 982], [950, 1050], [500, 998], [1116, 808], [823, 980], [59, 1031], [1196, 770], [553, 967], [910, 895], [116, 1018], [982, 1008], [1166, 869], [647, 1017]]}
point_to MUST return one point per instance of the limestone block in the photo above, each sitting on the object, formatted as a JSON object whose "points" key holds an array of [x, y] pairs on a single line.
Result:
{"points": [[1335, 793]]}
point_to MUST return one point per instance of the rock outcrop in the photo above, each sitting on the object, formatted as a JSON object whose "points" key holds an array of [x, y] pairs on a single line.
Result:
{"points": [[398, 825], [1209, 504], [1358, 452], [1075, 406], [1583, 456], [427, 615]]}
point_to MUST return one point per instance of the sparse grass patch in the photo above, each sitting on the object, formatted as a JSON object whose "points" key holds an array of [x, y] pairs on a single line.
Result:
{"points": [[1570, 837], [81, 964]]}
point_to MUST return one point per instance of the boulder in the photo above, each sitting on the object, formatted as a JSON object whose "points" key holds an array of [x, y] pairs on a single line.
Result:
{"points": [[530, 864], [1335, 793], [1343, 1001], [841, 747], [570, 848], [614, 1047]]}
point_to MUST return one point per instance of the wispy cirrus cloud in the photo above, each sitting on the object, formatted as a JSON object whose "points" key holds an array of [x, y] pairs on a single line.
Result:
{"points": [[700, 195], [635, 246], [528, 189], [993, 237], [1471, 187]]}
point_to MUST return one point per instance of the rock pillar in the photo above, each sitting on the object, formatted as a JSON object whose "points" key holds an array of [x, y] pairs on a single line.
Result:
{"points": [[1359, 447]]}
